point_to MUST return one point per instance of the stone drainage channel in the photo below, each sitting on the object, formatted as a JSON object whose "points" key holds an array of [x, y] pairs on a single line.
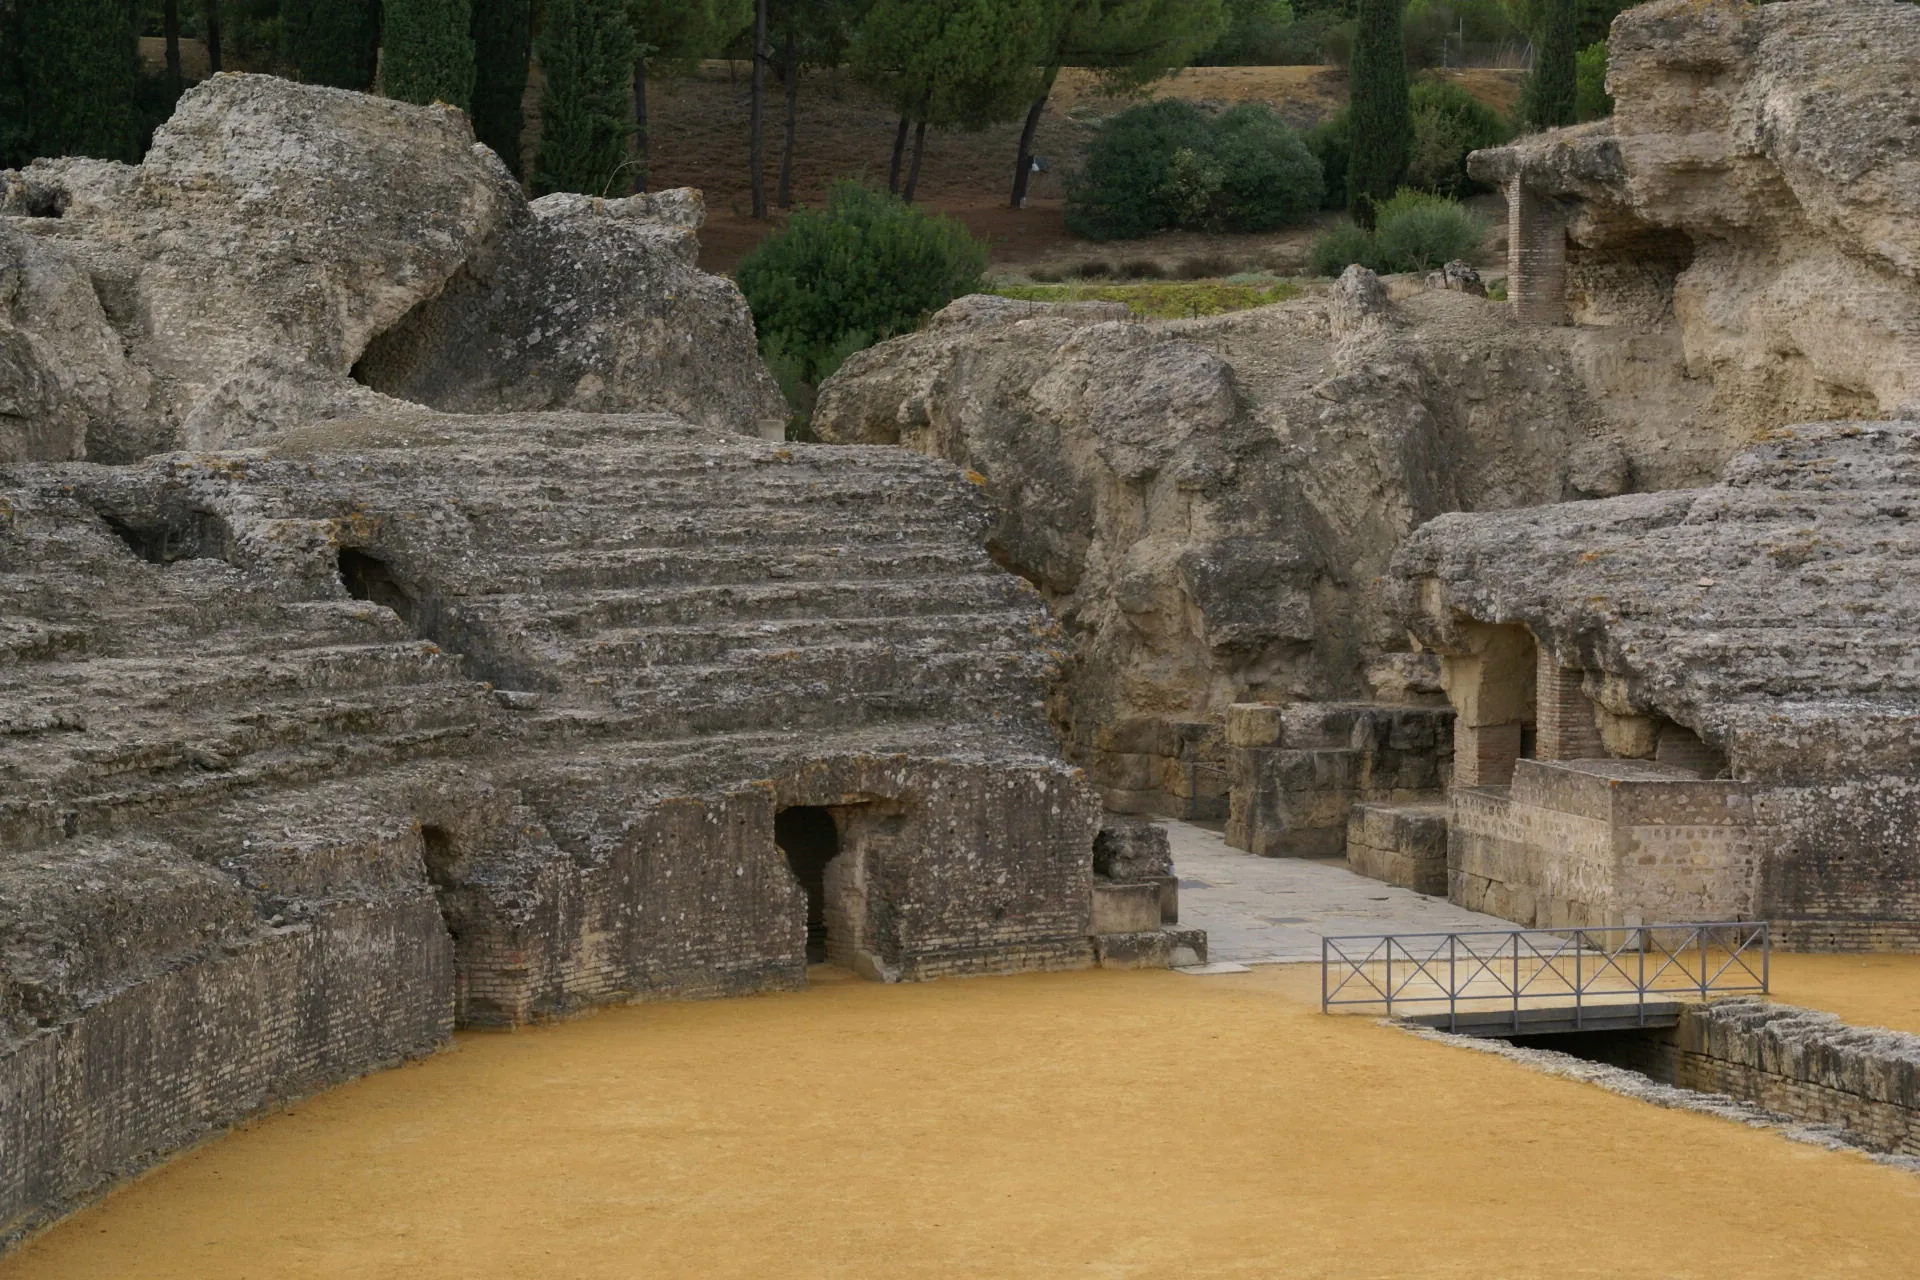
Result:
{"points": [[1805, 1074]]}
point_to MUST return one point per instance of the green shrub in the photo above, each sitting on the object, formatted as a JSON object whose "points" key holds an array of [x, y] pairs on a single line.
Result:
{"points": [[1331, 142], [1341, 248], [1167, 165], [1128, 186], [1448, 124], [864, 268], [1270, 178], [1591, 99], [1417, 231]]}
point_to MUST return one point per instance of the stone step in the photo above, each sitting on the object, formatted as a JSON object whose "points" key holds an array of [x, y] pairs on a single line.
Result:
{"points": [[829, 686], [777, 599], [638, 647], [602, 570]]}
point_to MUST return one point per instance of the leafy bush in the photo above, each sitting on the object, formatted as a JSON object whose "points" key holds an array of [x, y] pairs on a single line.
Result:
{"points": [[1591, 101], [1167, 165], [1269, 177], [1128, 186], [1331, 142], [1342, 247], [841, 278], [1449, 123], [1415, 231]]}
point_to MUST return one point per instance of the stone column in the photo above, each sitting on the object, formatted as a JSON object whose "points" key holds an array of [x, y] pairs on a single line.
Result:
{"points": [[1536, 255], [1491, 687]]}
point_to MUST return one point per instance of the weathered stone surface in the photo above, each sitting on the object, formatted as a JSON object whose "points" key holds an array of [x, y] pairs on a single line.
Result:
{"points": [[230, 282], [1209, 504], [399, 718], [255, 776], [1748, 198], [585, 304]]}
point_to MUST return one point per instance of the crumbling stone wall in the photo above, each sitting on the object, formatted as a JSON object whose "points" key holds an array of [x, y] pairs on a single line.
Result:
{"points": [[1810, 1066], [1750, 641]]}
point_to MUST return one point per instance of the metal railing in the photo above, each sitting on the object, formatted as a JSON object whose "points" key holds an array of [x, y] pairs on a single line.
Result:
{"points": [[1586, 975]]}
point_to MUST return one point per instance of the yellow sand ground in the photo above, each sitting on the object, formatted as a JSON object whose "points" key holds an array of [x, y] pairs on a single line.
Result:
{"points": [[1089, 1124], [1869, 991]]}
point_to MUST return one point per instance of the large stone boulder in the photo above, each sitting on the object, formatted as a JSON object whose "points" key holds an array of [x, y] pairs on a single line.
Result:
{"points": [[1757, 193], [235, 277]]}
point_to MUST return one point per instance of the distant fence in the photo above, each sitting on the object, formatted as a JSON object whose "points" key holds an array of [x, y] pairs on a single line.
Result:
{"points": [[1560, 979]]}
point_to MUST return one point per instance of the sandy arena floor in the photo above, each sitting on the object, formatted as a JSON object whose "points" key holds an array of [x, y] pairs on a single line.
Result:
{"points": [[1090, 1124]]}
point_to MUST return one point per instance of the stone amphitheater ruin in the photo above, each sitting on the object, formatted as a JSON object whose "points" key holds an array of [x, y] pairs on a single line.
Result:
{"points": [[410, 619]]}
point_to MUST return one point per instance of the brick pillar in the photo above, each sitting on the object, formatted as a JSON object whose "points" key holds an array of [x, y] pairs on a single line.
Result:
{"points": [[1536, 256], [1483, 754], [1563, 715]]}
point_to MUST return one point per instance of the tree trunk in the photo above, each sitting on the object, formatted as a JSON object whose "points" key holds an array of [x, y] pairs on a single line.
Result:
{"points": [[919, 146], [210, 16], [899, 150], [756, 121], [793, 114], [170, 25], [1023, 167], [643, 145]]}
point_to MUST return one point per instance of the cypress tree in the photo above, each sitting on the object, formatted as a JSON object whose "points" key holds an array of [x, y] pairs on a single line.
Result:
{"points": [[1382, 118], [14, 148], [502, 43], [427, 48], [335, 42], [1552, 93], [586, 50], [79, 67]]}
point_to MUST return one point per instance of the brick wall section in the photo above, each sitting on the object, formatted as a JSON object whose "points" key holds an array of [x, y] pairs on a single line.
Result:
{"points": [[1297, 771], [1536, 256], [1839, 871], [945, 868], [1604, 842], [156, 1066], [1801, 1063], [1563, 714]]}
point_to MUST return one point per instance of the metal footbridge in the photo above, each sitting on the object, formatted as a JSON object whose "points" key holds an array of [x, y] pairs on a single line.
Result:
{"points": [[1501, 982]]}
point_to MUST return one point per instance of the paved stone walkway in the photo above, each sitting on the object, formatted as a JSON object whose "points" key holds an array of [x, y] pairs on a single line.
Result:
{"points": [[1271, 910]]}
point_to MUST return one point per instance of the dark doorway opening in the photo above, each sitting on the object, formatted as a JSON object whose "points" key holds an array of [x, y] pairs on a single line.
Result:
{"points": [[810, 839], [369, 579]]}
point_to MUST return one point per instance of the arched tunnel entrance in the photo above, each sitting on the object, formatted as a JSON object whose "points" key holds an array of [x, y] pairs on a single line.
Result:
{"points": [[809, 838]]}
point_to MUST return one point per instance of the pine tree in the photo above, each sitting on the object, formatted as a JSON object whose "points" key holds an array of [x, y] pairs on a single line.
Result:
{"points": [[1127, 43], [676, 32], [426, 51], [79, 65], [586, 49], [1382, 116], [965, 63], [502, 45], [335, 42], [1552, 93]]}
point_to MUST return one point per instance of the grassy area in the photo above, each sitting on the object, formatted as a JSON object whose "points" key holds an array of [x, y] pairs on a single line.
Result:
{"points": [[1163, 299]]}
